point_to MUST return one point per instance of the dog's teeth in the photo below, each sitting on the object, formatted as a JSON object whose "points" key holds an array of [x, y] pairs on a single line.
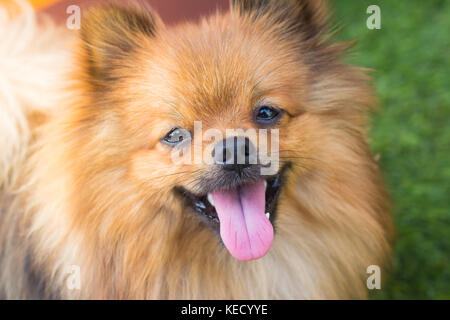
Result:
{"points": [[268, 215], [210, 199]]}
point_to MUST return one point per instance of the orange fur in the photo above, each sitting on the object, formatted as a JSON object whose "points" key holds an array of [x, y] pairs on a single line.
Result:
{"points": [[97, 188]]}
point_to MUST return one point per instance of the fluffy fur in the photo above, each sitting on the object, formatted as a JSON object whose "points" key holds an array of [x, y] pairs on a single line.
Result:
{"points": [[32, 66], [93, 185]]}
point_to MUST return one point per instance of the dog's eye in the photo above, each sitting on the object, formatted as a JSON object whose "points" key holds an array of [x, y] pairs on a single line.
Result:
{"points": [[176, 136], [266, 114]]}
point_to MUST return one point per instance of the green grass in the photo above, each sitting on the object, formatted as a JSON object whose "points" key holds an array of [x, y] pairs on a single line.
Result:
{"points": [[411, 58]]}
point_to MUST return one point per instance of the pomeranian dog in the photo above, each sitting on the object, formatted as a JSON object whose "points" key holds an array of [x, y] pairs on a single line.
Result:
{"points": [[94, 204]]}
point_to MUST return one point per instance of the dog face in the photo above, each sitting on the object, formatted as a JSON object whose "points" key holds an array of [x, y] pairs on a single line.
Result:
{"points": [[222, 117]]}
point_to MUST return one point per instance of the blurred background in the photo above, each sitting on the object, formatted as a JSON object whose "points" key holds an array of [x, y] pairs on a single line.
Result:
{"points": [[410, 59], [411, 62]]}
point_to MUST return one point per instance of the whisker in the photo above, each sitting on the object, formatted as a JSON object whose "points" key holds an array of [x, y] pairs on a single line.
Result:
{"points": [[169, 175]]}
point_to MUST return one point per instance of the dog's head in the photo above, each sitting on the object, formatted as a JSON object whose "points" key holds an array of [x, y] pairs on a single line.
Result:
{"points": [[222, 116]]}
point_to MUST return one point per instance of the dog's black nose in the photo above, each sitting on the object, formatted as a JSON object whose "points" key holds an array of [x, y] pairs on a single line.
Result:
{"points": [[235, 153]]}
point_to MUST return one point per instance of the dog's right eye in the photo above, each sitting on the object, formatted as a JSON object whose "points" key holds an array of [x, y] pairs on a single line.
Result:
{"points": [[176, 136]]}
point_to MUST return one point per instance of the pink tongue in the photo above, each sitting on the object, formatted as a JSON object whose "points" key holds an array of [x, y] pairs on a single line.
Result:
{"points": [[245, 230]]}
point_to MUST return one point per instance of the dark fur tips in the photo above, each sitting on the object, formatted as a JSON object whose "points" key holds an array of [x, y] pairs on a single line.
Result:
{"points": [[110, 33], [307, 17]]}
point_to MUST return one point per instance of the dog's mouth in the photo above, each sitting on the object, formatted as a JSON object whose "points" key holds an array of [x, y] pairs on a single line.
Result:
{"points": [[242, 215]]}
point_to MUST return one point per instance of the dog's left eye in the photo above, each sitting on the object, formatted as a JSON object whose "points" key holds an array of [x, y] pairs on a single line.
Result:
{"points": [[266, 114], [176, 136]]}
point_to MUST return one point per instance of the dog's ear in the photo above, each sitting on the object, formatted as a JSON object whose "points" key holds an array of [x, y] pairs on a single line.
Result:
{"points": [[109, 33], [307, 18]]}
